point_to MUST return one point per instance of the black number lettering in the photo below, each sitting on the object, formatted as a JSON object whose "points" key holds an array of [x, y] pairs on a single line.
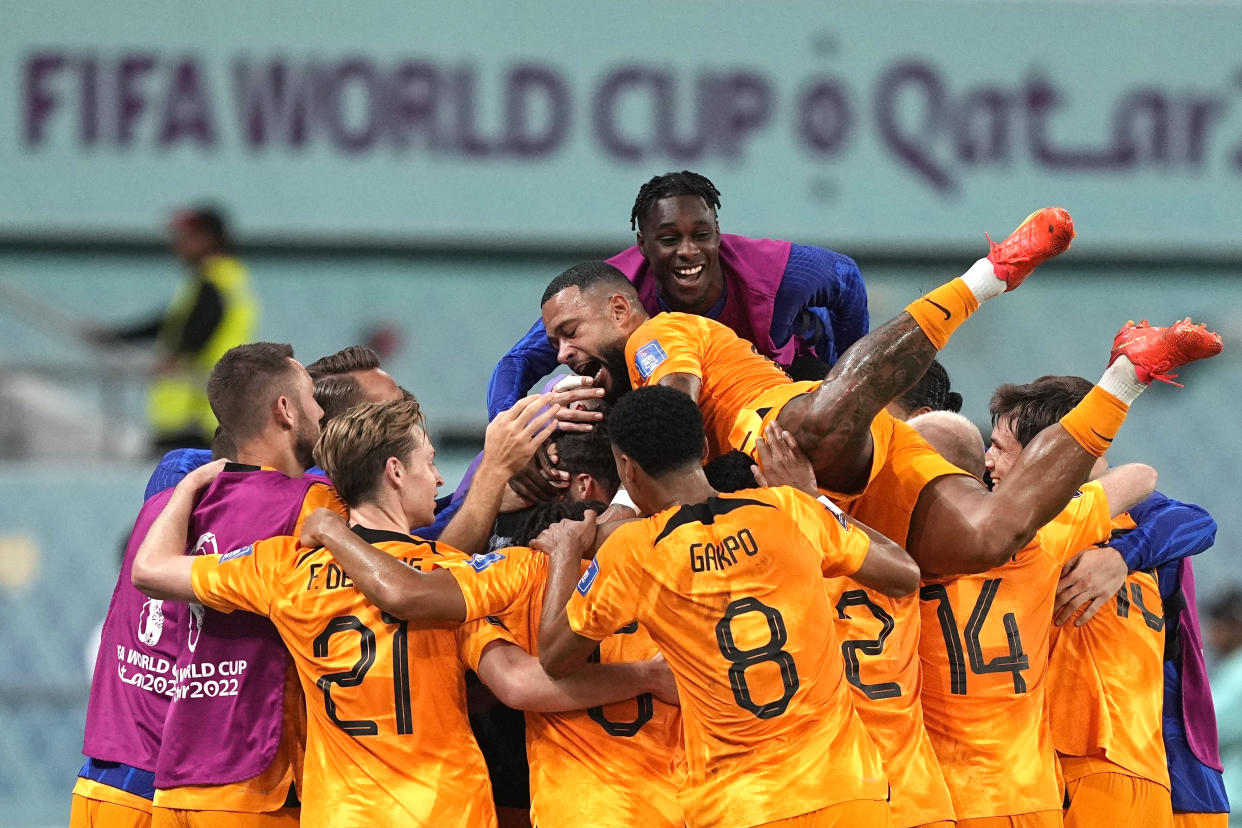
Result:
{"points": [[740, 660], [1014, 662], [646, 707], [347, 678], [1153, 621], [354, 675], [866, 646], [401, 674]]}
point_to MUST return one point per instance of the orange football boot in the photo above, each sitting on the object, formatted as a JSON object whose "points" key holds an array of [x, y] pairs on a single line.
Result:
{"points": [[1155, 352], [1044, 234]]}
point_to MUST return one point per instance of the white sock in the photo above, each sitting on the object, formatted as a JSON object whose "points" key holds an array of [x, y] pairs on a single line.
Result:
{"points": [[1121, 380], [983, 282]]}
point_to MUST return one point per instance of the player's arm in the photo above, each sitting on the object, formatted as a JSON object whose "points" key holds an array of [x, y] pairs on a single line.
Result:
{"points": [[1166, 530], [561, 650], [519, 681], [1127, 486], [161, 567], [887, 567], [687, 384], [823, 284], [395, 588], [531, 358], [509, 443]]}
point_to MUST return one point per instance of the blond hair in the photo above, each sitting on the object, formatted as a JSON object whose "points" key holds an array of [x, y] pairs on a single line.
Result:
{"points": [[355, 446]]}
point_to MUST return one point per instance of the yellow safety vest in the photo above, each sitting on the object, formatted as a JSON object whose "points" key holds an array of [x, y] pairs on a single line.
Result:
{"points": [[177, 401]]}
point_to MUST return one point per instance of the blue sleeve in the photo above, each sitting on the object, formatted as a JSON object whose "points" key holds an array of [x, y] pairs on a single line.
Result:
{"points": [[822, 299], [173, 467], [531, 358], [1168, 530]]}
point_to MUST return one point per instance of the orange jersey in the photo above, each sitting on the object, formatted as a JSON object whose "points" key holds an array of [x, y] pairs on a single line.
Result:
{"points": [[731, 591], [1106, 682], [388, 739], [615, 765], [880, 635], [733, 373], [984, 648]]}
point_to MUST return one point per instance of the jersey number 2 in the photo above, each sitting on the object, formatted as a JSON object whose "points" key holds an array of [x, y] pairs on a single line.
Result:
{"points": [[355, 674]]}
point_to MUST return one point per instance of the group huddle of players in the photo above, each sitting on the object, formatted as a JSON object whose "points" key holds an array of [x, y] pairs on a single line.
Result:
{"points": [[726, 580]]}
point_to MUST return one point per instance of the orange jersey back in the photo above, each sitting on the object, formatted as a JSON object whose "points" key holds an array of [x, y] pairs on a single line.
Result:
{"points": [[616, 765], [731, 591], [1106, 681], [388, 739], [984, 648], [733, 373]]}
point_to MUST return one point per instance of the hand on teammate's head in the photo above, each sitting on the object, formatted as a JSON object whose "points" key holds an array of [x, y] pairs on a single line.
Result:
{"points": [[512, 439]]}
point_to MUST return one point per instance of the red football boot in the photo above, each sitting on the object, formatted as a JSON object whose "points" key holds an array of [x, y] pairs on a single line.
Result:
{"points": [[1044, 234], [1155, 352]]}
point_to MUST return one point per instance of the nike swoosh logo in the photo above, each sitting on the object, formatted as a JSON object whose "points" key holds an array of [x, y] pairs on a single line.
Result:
{"points": [[1101, 436], [942, 308]]}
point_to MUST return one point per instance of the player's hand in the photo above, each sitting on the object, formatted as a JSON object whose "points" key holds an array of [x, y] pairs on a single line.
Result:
{"points": [[781, 461], [201, 477], [1090, 579], [568, 537], [540, 480], [663, 687], [318, 525], [576, 397], [512, 439]]}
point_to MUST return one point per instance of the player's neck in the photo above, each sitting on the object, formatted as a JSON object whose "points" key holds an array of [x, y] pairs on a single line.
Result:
{"points": [[386, 517], [273, 454], [681, 489]]}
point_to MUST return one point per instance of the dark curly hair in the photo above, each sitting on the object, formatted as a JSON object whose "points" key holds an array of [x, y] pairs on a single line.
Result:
{"points": [[670, 185], [660, 428]]}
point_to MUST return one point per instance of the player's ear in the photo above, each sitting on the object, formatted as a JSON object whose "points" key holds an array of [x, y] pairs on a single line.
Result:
{"points": [[283, 411], [394, 471], [642, 244], [619, 307], [706, 452]]}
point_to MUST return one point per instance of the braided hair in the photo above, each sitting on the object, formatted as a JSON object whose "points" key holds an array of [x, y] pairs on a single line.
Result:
{"points": [[670, 185], [932, 391]]}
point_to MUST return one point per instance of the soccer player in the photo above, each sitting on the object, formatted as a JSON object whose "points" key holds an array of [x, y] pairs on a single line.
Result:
{"points": [[802, 306], [262, 395], [930, 393], [730, 588], [985, 637], [389, 742], [861, 454]]}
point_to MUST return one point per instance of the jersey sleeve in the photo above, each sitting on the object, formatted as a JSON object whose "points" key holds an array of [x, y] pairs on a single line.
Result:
{"points": [[1089, 521], [665, 344], [531, 358], [493, 582], [842, 547], [820, 286], [241, 579], [609, 592], [1166, 530], [473, 638]]}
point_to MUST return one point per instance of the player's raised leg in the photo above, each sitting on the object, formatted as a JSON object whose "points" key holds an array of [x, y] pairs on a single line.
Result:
{"points": [[832, 425], [959, 526]]}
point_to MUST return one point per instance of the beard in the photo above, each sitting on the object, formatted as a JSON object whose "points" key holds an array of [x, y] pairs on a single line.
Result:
{"points": [[618, 372], [305, 439]]}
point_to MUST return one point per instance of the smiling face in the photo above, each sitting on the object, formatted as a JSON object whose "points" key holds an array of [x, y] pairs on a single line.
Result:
{"points": [[1003, 452], [680, 239], [589, 330]]}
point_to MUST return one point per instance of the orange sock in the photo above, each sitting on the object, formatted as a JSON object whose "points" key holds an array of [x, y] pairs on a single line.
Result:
{"points": [[1095, 421], [941, 311]]}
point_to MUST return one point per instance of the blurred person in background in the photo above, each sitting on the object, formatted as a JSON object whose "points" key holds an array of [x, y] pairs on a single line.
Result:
{"points": [[213, 310], [1225, 638]]}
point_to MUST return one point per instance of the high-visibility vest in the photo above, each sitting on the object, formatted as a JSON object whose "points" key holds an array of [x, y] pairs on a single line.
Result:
{"points": [[177, 401]]}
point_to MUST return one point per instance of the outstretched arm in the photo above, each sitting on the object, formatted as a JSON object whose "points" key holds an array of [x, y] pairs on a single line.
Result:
{"points": [[510, 442], [531, 358], [161, 567], [395, 588], [519, 682]]}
